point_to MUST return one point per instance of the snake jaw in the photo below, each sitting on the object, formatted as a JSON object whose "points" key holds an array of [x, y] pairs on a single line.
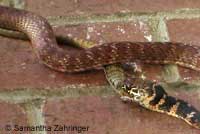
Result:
{"points": [[140, 95], [134, 92]]}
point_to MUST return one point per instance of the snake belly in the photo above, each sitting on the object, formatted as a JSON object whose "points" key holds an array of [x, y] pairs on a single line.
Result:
{"points": [[46, 49]]}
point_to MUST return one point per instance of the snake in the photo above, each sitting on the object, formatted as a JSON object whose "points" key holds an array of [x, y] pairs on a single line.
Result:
{"points": [[152, 96], [148, 94]]}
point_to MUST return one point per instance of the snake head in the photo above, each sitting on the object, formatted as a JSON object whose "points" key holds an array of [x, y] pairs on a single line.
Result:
{"points": [[137, 89]]}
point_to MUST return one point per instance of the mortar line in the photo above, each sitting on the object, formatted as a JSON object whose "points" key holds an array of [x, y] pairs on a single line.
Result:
{"points": [[26, 94], [20, 4], [124, 17], [159, 30], [34, 111]]}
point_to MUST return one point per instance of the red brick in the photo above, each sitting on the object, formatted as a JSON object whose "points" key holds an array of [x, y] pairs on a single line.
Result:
{"points": [[69, 7], [186, 31], [110, 115], [108, 32], [11, 114]]}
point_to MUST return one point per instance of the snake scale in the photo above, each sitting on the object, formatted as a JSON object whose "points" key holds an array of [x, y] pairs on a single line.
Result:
{"points": [[148, 94], [152, 96]]}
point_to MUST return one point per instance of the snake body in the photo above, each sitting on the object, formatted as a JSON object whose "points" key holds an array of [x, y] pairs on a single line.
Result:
{"points": [[44, 44], [150, 96]]}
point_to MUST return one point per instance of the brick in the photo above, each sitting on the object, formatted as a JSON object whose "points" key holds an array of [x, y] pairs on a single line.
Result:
{"points": [[186, 31], [110, 115], [11, 114], [108, 32], [69, 7]]}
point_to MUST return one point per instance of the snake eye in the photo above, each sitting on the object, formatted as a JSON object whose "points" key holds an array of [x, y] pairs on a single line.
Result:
{"points": [[127, 85], [126, 88]]}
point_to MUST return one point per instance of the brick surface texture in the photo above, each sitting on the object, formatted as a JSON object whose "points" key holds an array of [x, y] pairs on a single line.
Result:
{"points": [[85, 99]]}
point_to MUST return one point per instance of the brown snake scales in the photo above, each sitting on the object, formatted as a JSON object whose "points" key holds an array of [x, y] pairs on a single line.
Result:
{"points": [[44, 44], [45, 47]]}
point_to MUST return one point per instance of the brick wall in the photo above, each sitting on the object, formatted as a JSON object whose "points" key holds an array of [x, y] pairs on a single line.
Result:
{"points": [[32, 94]]}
